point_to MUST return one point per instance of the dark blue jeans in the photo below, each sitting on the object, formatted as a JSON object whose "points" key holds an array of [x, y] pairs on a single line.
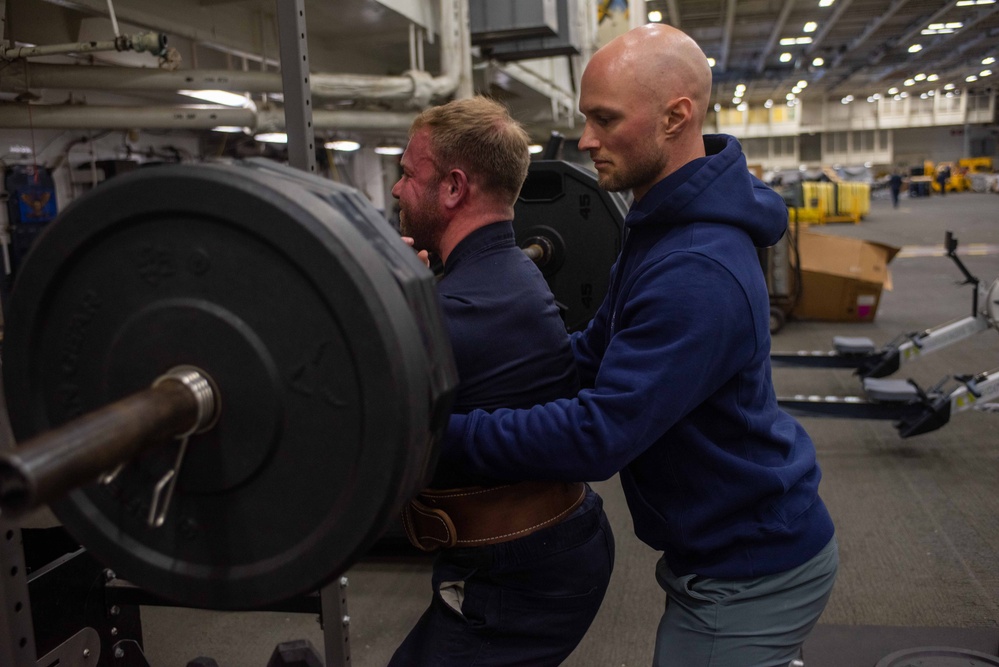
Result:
{"points": [[526, 603]]}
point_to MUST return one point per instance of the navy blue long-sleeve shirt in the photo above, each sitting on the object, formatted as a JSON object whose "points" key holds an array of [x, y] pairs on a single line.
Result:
{"points": [[509, 341]]}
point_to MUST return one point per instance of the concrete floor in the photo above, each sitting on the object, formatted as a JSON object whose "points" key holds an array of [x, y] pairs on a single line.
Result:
{"points": [[917, 519]]}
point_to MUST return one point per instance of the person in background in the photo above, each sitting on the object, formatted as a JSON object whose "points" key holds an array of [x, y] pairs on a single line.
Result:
{"points": [[943, 175], [895, 185], [522, 566], [677, 391]]}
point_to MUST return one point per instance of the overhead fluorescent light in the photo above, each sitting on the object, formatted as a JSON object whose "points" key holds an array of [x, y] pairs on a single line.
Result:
{"points": [[985, 72], [711, 62], [655, 16], [534, 149], [915, 48], [811, 26], [223, 97], [826, 3], [942, 28], [272, 137], [389, 150], [802, 84], [785, 57], [971, 78], [229, 129], [818, 62], [342, 145]]}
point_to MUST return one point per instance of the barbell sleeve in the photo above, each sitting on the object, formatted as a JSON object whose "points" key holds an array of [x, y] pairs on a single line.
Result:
{"points": [[534, 252], [539, 249], [55, 462]]}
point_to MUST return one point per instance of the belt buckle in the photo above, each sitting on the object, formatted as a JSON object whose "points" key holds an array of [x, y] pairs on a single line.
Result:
{"points": [[428, 528]]}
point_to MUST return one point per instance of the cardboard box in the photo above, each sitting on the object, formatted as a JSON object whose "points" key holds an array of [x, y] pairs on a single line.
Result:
{"points": [[841, 278]]}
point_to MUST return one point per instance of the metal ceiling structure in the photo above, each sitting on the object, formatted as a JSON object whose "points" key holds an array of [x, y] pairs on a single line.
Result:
{"points": [[866, 47], [367, 57], [839, 48]]}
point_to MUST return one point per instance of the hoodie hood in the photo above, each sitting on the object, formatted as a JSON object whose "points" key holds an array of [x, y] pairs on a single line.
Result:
{"points": [[747, 202]]}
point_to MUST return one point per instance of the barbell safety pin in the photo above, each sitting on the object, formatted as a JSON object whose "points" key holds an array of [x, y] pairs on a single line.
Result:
{"points": [[207, 412], [108, 477], [157, 513], [195, 380]]}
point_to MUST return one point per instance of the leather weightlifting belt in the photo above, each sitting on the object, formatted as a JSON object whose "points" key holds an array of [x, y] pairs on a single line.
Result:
{"points": [[480, 515]]}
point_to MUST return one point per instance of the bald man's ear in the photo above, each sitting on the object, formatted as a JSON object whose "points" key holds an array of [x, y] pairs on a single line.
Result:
{"points": [[678, 115]]}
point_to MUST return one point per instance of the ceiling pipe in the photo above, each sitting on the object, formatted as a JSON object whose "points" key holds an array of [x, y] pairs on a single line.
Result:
{"points": [[66, 116], [417, 87], [21, 76], [154, 43]]}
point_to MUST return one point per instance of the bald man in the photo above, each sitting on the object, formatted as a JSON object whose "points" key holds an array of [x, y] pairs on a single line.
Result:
{"points": [[675, 365]]}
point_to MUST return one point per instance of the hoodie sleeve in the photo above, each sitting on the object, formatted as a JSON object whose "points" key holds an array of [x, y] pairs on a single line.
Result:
{"points": [[588, 345], [681, 335]]}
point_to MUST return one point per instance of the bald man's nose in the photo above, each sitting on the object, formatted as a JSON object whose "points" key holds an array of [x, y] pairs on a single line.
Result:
{"points": [[587, 141]]}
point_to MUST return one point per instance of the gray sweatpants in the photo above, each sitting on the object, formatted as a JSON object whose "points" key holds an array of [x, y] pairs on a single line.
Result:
{"points": [[760, 622]]}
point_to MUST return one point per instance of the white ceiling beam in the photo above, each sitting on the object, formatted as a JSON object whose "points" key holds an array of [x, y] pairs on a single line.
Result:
{"points": [[942, 40], [827, 25], [727, 36], [871, 28], [774, 34], [674, 13]]}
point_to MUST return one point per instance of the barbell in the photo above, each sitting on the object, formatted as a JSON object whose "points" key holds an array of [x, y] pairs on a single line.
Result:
{"points": [[227, 379]]}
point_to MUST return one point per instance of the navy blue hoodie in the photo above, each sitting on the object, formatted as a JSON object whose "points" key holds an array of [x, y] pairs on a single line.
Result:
{"points": [[678, 393]]}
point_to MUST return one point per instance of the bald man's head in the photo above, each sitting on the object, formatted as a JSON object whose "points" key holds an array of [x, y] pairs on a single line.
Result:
{"points": [[645, 96], [664, 61]]}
